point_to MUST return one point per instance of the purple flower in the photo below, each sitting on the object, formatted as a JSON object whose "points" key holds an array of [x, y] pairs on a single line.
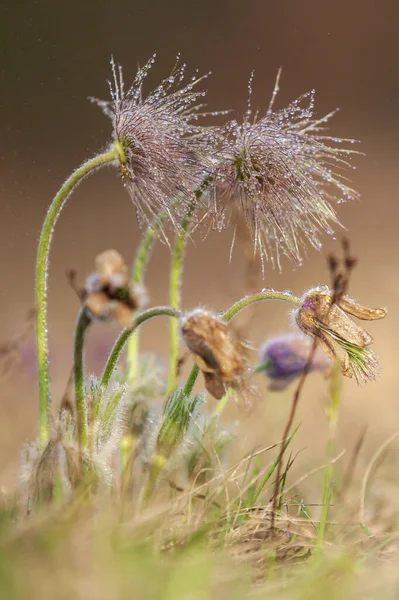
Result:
{"points": [[284, 358]]}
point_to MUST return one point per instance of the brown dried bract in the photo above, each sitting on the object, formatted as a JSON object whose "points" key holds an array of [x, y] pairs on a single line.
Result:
{"points": [[108, 295], [217, 352]]}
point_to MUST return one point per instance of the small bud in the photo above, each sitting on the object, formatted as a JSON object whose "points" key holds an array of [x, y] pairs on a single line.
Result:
{"points": [[108, 294], [284, 359], [337, 334], [216, 351]]}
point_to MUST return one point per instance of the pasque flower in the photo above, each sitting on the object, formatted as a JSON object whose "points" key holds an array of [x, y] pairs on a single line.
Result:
{"points": [[337, 334], [283, 359], [163, 152], [218, 353], [280, 174]]}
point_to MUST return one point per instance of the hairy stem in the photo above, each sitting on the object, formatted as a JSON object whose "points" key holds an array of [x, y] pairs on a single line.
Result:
{"points": [[126, 333], [232, 312], [332, 415], [42, 264], [140, 264], [176, 273], [79, 376]]}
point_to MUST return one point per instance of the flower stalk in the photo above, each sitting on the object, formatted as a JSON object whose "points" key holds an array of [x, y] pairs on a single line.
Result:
{"points": [[139, 267], [42, 265], [176, 274], [125, 335], [332, 411], [79, 376]]}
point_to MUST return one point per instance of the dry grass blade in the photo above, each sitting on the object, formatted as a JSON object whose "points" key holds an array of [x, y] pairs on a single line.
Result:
{"points": [[366, 477]]}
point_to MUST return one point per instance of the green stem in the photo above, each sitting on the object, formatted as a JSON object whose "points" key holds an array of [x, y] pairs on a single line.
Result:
{"points": [[79, 376], [328, 475], [42, 264], [176, 273], [126, 333], [223, 402], [140, 264], [264, 295], [158, 462], [231, 312]]}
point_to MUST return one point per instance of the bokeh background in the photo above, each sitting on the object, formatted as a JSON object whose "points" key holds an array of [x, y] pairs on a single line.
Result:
{"points": [[56, 54]]}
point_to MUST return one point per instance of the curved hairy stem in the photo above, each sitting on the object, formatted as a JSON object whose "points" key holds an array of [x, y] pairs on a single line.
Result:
{"points": [[176, 272], [126, 333], [233, 311], [79, 377], [41, 282]]}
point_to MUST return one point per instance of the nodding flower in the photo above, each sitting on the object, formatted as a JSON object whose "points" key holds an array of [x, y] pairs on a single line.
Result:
{"points": [[164, 153], [217, 352], [337, 334], [283, 359], [108, 294], [280, 173]]}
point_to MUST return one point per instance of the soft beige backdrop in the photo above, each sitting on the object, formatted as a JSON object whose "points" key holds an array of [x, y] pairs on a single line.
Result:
{"points": [[54, 55]]}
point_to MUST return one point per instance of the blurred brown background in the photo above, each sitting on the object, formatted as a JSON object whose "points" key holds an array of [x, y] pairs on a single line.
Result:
{"points": [[55, 54]]}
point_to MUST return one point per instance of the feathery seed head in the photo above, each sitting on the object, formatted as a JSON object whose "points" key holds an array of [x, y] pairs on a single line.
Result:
{"points": [[164, 153], [279, 172], [337, 334]]}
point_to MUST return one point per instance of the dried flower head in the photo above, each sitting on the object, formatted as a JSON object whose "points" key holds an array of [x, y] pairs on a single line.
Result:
{"points": [[337, 334], [283, 359], [215, 349], [108, 294], [164, 153], [278, 172]]}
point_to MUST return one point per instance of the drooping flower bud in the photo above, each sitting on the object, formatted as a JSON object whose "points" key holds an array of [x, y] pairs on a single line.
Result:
{"points": [[337, 334], [215, 349], [283, 359], [108, 293]]}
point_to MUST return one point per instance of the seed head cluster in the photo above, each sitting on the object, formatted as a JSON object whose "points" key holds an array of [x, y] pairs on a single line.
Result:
{"points": [[279, 173], [164, 153]]}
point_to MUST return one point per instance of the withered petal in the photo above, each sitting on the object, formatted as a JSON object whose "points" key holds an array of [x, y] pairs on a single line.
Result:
{"points": [[109, 264], [124, 314], [99, 305], [214, 385], [351, 307], [338, 322]]}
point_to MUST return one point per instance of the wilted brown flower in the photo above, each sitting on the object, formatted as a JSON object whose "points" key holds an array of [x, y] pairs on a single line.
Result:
{"points": [[217, 352], [278, 173], [337, 334], [108, 294], [164, 154]]}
